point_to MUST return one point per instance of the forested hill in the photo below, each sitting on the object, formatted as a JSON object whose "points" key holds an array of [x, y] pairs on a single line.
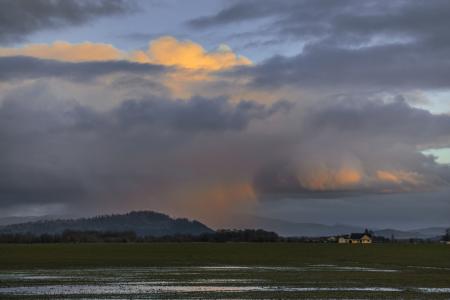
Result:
{"points": [[143, 223]]}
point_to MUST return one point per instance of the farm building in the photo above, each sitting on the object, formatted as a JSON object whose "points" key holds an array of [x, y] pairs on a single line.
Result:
{"points": [[360, 238], [355, 238]]}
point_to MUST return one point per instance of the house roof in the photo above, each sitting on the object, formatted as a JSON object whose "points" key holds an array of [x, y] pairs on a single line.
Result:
{"points": [[357, 236]]}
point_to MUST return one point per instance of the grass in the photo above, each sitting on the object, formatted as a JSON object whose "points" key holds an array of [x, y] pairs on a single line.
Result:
{"points": [[26, 256]]}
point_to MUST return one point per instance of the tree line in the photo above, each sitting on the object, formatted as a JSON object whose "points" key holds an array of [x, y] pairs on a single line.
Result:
{"points": [[74, 236]]}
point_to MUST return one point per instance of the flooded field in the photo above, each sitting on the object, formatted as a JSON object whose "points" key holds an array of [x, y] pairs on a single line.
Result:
{"points": [[214, 282], [224, 271]]}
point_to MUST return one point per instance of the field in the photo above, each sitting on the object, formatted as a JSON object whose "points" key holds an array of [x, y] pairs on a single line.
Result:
{"points": [[228, 270]]}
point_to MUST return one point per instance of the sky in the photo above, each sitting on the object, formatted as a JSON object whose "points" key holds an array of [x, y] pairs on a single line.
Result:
{"points": [[303, 110]]}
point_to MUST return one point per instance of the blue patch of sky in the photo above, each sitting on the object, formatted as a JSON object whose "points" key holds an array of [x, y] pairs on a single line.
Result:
{"points": [[442, 155]]}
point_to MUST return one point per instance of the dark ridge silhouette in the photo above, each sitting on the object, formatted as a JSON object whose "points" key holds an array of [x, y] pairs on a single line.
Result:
{"points": [[142, 223]]}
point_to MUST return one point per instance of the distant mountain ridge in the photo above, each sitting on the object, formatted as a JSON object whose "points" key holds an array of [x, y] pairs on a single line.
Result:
{"points": [[288, 228], [27, 219], [158, 224], [141, 222], [421, 233]]}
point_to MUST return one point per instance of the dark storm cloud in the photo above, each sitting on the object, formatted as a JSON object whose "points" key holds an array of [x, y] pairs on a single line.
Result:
{"points": [[62, 152], [23, 67], [197, 114], [348, 20], [383, 66], [350, 44], [240, 11], [134, 155], [35, 186], [396, 121], [359, 147], [19, 18]]}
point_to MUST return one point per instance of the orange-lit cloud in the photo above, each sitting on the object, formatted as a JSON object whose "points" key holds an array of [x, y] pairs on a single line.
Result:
{"points": [[194, 65], [322, 179], [64, 51], [194, 62], [399, 177], [166, 51], [169, 51]]}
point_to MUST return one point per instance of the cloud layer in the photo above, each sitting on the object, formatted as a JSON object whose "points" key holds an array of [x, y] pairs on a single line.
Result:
{"points": [[393, 45], [350, 147], [210, 154], [187, 64], [204, 131], [19, 18]]}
